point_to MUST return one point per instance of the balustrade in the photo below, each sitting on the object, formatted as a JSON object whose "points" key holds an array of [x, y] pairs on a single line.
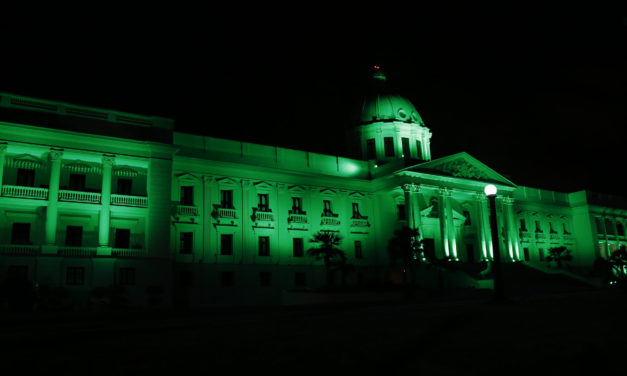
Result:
{"points": [[77, 251], [25, 192], [19, 250], [264, 216], [187, 210], [125, 252], [329, 221], [124, 200], [227, 213], [297, 218], [78, 196]]}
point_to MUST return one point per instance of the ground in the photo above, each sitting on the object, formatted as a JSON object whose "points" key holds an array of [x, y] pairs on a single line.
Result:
{"points": [[567, 333]]}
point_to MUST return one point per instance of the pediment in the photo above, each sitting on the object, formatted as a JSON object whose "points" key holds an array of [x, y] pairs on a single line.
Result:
{"points": [[461, 165], [327, 192], [79, 167], [356, 195], [297, 189], [226, 181], [126, 171], [26, 161], [262, 185], [186, 176]]}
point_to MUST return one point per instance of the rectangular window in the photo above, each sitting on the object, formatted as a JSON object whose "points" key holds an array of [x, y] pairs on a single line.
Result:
{"points": [[523, 225], [227, 279], [264, 246], [298, 246], [401, 212], [418, 149], [226, 197], [609, 228], [541, 254], [619, 228], [467, 216], [265, 279], [405, 144], [74, 236], [187, 242], [127, 276], [297, 205], [187, 196], [226, 244], [538, 228], [20, 233], [388, 145], [356, 214], [300, 279], [75, 276], [122, 238], [26, 177], [327, 208], [263, 202], [371, 150], [358, 252], [77, 182], [526, 253], [125, 186]]}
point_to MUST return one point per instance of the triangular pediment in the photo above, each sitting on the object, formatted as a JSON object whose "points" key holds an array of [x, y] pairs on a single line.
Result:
{"points": [[461, 165]]}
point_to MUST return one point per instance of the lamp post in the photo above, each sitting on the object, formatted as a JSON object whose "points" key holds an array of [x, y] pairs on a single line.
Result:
{"points": [[490, 191]]}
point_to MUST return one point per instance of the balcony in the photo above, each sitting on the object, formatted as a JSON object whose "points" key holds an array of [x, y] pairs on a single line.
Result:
{"points": [[185, 210], [25, 192], [524, 235], [297, 218], [227, 213], [125, 252], [554, 236], [329, 221], [540, 235], [77, 251], [78, 196], [125, 200], [359, 222], [263, 216], [19, 250]]}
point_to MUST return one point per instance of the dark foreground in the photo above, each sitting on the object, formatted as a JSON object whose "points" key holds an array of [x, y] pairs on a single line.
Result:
{"points": [[573, 334]]}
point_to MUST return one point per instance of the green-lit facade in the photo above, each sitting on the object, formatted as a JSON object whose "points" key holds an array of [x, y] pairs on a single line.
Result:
{"points": [[93, 197]]}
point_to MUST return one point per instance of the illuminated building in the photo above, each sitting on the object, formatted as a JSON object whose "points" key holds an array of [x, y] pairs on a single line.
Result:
{"points": [[94, 197]]}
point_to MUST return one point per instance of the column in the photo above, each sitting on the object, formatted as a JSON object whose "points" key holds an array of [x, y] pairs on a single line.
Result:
{"points": [[55, 156], [413, 207], [450, 225], [3, 151], [480, 225], [512, 231], [443, 222], [105, 202]]}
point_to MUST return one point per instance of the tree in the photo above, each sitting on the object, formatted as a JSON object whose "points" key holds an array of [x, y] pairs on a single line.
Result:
{"points": [[327, 250], [407, 248], [618, 262], [559, 255]]}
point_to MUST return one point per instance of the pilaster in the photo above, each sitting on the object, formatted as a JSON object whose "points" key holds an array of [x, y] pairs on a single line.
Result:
{"points": [[482, 224], [105, 202], [3, 151], [443, 221], [412, 203], [55, 157]]}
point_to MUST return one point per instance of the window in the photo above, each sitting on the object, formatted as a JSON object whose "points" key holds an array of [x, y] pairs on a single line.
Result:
{"points": [[187, 195], [264, 246], [538, 228], [75, 276], [127, 276], [358, 252], [371, 150], [74, 236], [122, 238], [227, 279], [419, 149], [297, 205], [388, 145], [265, 279], [26, 177], [566, 229], [600, 229], [401, 212], [125, 186], [226, 244], [551, 229], [20, 233], [540, 254], [300, 278], [298, 245], [187, 242], [526, 253], [327, 208], [77, 182], [263, 202], [405, 144], [467, 216], [226, 199], [608, 227], [523, 225], [356, 214]]}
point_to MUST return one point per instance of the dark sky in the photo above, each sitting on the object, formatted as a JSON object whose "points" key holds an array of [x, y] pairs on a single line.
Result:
{"points": [[538, 96]]}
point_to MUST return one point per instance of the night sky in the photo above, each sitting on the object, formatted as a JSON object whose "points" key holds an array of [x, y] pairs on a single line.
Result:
{"points": [[538, 96]]}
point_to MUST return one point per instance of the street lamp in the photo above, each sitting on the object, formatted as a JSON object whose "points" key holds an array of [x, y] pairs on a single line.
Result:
{"points": [[490, 191]]}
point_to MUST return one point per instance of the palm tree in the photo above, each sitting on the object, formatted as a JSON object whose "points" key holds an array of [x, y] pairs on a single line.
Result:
{"points": [[327, 250], [407, 248], [559, 255]]}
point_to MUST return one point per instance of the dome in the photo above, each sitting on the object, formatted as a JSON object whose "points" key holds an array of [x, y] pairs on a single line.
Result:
{"points": [[381, 105]]}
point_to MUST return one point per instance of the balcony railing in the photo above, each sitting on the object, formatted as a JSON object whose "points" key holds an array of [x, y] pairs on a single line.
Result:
{"points": [[359, 222], [264, 216], [329, 221], [297, 218], [187, 210], [25, 192], [125, 252], [78, 196], [227, 213], [540, 235], [124, 200], [19, 250], [554, 236], [77, 251]]}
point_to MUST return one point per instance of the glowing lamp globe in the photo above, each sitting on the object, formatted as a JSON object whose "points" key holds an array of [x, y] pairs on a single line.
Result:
{"points": [[490, 190]]}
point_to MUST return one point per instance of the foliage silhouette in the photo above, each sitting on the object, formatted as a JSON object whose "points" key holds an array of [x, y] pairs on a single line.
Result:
{"points": [[407, 248], [559, 255], [333, 257]]}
